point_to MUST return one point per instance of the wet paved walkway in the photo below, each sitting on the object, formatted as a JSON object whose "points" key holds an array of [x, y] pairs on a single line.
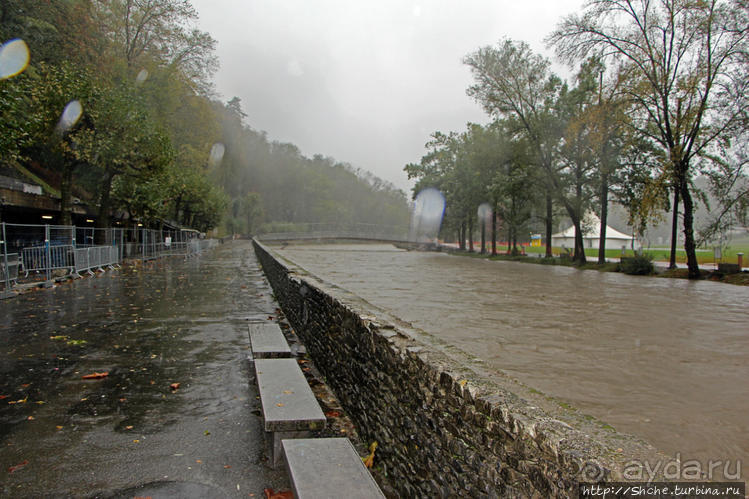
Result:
{"points": [[173, 321]]}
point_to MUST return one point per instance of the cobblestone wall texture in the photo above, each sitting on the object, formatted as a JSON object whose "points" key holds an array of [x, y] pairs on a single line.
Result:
{"points": [[443, 430]]}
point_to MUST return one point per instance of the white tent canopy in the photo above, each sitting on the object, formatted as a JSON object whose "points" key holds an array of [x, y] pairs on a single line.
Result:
{"points": [[591, 236]]}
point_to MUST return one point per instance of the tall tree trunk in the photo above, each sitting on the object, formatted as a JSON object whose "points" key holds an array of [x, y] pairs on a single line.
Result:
{"points": [[690, 245], [549, 221], [463, 235], [470, 234], [483, 237], [494, 229], [604, 218], [674, 229], [105, 207], [579, 254], [66, 194], [177, 204]]}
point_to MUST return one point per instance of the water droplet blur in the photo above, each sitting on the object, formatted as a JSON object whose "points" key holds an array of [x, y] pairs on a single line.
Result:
{"points": [[217, 153], [484, 212], [14, 57], [142, 77], [427, 215], [70, 116]]}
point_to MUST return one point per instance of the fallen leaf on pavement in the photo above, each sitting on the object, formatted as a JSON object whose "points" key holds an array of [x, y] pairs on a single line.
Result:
{"points": [[96, 375], [369, 460], [17, 467], [332, 414], [281, 494], [174, 386]]}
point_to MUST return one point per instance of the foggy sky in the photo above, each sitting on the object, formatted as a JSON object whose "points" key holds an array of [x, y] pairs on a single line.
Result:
{"points": [[363, 82]]}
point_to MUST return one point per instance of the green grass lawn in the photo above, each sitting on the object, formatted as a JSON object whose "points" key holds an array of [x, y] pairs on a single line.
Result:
{"points": [[704, 256]]}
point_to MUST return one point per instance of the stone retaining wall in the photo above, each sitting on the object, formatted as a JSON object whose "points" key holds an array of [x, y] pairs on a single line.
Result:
{"points": [[445, 427]]}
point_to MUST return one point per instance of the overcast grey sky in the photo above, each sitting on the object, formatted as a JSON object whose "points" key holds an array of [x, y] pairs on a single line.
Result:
{"points": [[362, 81]]}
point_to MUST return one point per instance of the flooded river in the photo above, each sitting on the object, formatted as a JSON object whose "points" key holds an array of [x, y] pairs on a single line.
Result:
{"points": [[664, 359]]}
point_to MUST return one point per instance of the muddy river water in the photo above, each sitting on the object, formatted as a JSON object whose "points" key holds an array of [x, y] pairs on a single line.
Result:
{"points": [[663, 359]]}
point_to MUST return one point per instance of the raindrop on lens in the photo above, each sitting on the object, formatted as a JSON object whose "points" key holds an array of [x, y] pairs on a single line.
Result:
{"points": [[217, 153], [484, 212], [70, 116], [142, 77], [14, 57], [429, 207]]}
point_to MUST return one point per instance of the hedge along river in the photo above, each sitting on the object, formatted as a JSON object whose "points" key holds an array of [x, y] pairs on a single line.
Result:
{"points": [[664, 359]]}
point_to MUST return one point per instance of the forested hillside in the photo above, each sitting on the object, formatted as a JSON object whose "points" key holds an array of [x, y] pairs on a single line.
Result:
{"points": [[117, 107]]}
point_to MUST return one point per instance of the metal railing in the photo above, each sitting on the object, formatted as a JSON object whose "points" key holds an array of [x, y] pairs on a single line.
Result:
{"points": [[34, 252], [95, 258], [369, 232], [47, 258], [9, 267]]}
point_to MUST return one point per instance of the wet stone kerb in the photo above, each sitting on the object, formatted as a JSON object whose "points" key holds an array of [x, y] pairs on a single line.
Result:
{"points": [[443, 429]]}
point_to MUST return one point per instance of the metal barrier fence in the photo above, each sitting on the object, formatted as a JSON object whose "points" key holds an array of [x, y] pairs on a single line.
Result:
{"points": [[34, 252], [95, 257], [47, 258], [9, 268]]}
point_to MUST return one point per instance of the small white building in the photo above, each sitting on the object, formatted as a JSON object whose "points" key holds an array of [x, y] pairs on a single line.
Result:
{"points": [[592, 234]]}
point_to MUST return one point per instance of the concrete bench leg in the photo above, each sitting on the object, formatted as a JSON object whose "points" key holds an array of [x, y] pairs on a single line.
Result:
{"points": [[274, 443]]}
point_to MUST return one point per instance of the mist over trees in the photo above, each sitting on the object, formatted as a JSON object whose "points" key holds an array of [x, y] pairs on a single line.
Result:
{"points": [[144, 146], [658, 104]]}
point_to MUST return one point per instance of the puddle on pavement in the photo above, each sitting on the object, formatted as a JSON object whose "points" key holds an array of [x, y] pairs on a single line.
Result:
{"points": [[170, 321]]}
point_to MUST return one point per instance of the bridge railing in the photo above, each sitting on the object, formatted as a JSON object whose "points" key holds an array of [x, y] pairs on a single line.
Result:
{"points": [[369, 232]]}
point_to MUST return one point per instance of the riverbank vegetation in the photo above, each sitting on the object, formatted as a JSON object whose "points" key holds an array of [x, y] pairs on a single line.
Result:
{"points": [[658, 102], [631, 263], [116, 109]]}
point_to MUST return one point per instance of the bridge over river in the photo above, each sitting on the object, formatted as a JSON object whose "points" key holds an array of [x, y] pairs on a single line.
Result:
{"points": [[664, 359]]}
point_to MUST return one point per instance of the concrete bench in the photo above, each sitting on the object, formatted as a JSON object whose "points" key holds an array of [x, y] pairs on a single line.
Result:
{"points": [[290, 409], [327, 467], [267, 341]]}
